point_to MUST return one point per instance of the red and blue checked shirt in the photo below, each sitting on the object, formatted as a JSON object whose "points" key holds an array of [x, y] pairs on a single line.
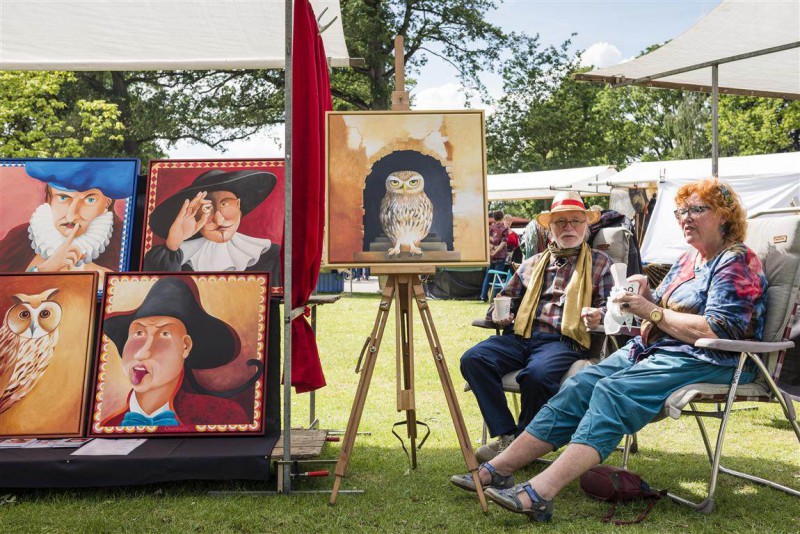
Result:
{"points": [[550, 310]]}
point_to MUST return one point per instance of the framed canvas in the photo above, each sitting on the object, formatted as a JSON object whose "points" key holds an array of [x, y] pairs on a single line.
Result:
{"points": [[406, 189], [46, 347], [214, 215], [66, 214], [181, 354]]}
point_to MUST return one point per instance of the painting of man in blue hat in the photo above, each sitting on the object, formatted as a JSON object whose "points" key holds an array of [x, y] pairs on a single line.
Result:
{"points": [[76, 226]]}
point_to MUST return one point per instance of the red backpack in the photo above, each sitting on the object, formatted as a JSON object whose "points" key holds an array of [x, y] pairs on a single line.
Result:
{"points": [[615, 484]]}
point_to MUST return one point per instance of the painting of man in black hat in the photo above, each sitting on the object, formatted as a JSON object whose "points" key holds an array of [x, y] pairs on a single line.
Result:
{"points": [[200, 223], [161, 344]]}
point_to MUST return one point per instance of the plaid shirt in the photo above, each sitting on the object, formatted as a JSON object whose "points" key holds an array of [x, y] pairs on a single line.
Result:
{"points": [[550, 310], [498, 233]]}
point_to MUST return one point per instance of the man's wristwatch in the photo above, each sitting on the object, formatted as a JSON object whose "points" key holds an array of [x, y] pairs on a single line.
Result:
{"points": [[656, 315]]}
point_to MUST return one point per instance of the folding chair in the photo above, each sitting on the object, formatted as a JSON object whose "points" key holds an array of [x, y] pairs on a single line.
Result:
{"points": [[499, 280], [776, 240]]}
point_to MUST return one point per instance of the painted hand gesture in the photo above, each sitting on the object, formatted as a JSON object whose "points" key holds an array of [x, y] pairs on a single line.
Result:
{"points": [[66, 257], [187, 223]]}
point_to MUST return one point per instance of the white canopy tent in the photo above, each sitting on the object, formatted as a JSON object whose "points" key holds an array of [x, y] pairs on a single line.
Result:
{"points": [[124, 35], [545, 184], [762, 182], [741, 47], [734, 28], [154, 35]]}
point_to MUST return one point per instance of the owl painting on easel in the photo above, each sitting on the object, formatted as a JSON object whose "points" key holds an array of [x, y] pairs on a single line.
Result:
{"points": [[46, 343], [406, 212], [406, 189]]}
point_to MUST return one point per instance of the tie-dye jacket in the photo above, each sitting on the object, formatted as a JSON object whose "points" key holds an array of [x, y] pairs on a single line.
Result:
{"points": [[730, 292]]}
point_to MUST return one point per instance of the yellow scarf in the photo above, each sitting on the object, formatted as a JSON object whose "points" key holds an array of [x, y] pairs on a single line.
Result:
{"points": [[578, 295]]}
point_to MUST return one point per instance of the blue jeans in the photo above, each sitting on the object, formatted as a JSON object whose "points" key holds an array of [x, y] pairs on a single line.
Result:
{"points": [[544, 358], [497, 266], [603, 402]]}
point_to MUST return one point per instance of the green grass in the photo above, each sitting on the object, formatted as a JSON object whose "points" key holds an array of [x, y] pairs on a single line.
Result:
{"points": [[399, 499]]}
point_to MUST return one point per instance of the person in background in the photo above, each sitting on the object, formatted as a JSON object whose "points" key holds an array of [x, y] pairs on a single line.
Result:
{"points": [[498, 244], [513, 244]]}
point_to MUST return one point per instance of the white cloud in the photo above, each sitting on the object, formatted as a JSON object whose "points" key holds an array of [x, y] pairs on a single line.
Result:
{"points": [[601, 54], [445, 97]]}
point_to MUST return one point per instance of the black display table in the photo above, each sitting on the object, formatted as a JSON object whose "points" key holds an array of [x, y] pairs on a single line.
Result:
{"points": [[160, 459]]}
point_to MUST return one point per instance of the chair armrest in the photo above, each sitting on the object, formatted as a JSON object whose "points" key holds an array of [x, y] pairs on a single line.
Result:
{"points": [[484, 323], [736, 345]]}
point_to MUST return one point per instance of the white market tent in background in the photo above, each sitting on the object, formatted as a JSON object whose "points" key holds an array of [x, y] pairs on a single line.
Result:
{"points": [[545, 184], [162, 35], [734, 28], [763, 182]]}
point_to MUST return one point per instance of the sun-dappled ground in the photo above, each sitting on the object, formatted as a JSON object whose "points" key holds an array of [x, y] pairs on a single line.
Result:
{"points": [[397, 499]]}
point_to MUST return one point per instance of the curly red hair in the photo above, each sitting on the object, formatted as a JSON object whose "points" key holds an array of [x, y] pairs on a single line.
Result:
{"points": [[723, 200]]}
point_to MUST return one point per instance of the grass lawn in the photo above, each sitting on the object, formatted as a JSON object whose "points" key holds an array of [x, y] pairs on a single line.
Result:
{"points": [[398, 499]]}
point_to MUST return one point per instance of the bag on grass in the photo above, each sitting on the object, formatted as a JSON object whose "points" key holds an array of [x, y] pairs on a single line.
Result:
{"points": [[614, 485]]}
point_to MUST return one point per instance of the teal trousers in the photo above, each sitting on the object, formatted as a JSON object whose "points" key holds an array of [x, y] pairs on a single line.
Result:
{"points": [[604, 402]]}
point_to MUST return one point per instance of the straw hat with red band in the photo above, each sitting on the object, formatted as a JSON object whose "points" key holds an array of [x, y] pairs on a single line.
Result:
{"points": [[567, 201]]}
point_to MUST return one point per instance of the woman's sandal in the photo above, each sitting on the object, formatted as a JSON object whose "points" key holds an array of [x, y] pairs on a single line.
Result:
{"points": [[498, 480], [540, 510]]}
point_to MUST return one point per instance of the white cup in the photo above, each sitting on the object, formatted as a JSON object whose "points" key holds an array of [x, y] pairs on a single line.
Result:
{"points": [[502, 308]]}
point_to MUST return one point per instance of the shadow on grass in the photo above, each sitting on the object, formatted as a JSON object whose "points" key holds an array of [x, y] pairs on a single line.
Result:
{"points": [[398, 498]]}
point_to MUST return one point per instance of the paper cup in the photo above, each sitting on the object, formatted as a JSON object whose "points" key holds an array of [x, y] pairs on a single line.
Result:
{"points": [[502, 308]]}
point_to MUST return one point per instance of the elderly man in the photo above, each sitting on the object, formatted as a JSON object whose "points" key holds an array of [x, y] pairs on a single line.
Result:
{"points": [[200, 226], [161, 343], [76, 227], [554, 295]]}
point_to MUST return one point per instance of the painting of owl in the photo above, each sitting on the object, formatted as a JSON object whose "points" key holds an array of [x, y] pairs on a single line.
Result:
{"points": [[406, 211], [28, 335]]}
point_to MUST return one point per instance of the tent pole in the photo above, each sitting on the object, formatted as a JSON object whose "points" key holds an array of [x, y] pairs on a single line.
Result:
{"points": [[715, 120], [287, 261]]}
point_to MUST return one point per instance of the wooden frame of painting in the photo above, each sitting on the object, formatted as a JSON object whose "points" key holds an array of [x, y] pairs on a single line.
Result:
{"points": [[67, 214], [181, 354], [406, 189], [46, 349], [214, 215]]}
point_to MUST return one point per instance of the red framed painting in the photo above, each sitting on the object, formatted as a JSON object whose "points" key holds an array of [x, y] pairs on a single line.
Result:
{"points": [[181, 354], [214, 216]]}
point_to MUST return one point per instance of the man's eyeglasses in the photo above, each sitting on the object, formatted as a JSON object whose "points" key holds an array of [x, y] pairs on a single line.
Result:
{"points": [[562, 223], [691, 210]]}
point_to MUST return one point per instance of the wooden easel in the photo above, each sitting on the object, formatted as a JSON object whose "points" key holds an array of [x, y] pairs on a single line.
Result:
{"points": [[402, 287]]}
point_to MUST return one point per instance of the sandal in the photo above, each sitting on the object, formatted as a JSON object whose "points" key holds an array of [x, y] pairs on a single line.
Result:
{"points": [[541, 510], [498, 481]]}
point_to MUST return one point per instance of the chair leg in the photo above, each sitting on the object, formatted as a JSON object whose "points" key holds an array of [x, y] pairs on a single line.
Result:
{"points": [[515, 401]]}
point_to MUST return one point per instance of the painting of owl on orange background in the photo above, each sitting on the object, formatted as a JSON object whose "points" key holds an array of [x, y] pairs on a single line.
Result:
{"points": [[406, 212], [28, 335]]}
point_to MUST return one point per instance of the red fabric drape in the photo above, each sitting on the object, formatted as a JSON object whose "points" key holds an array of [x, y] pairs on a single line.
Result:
{"points": [[311, 98]]}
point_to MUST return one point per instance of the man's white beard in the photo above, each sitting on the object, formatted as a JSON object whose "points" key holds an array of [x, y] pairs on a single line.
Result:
{"points": [[45, 237], [236, 254]]}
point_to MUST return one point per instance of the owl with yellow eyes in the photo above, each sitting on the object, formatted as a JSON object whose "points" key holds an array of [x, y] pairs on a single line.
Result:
{"points": [[406, 211]]}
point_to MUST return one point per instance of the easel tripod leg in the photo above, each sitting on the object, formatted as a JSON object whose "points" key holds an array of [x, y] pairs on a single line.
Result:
{"points": [[362, 389], [449, 391]]}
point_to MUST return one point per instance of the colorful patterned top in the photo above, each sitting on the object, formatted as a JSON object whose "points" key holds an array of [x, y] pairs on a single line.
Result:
{"points": [[730, 292], [550, 309], [498, 233]]}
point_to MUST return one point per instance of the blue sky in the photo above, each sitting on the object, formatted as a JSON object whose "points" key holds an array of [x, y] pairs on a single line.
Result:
{"points": [[609, 32]]}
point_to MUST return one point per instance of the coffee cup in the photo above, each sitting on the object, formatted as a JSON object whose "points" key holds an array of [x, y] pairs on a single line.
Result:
{"points": [[502, 308]]}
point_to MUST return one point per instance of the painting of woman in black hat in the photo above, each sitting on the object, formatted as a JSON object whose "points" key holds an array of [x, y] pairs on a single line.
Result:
{"points": [[162, 344], [200, 225]]}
